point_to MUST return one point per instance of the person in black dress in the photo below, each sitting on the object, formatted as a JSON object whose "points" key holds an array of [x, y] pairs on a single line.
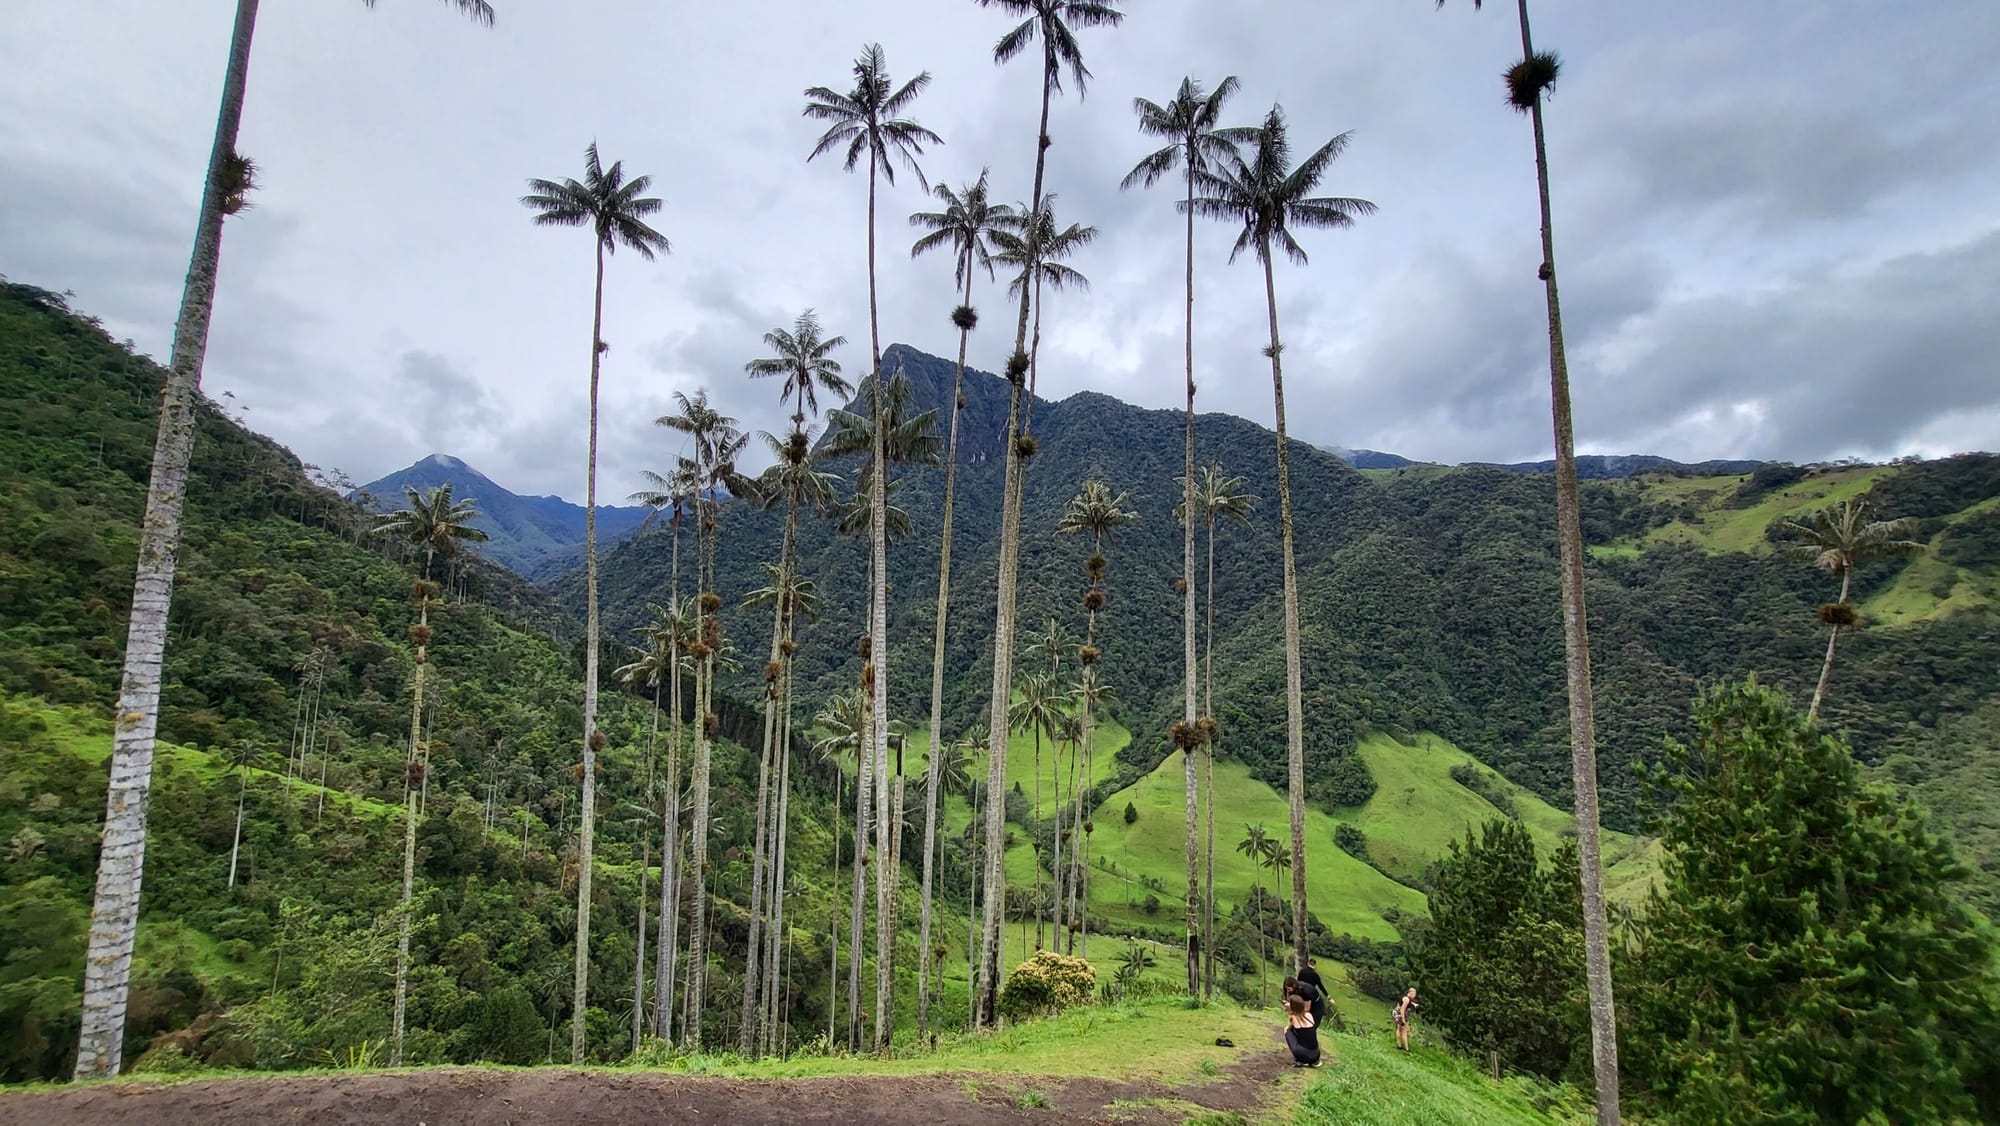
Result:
{"points": [[1301, 1033], [1315, 997]]}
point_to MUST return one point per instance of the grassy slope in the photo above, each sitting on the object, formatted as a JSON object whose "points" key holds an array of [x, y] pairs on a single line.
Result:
{"points": [[1419, 809], [1742, 529], [1369, 1081], [1364, 1081]]}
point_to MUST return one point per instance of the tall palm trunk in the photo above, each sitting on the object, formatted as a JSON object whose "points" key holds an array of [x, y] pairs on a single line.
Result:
{"points": [[587, 822], [236, 843], [1832, 639], [767, 765], [664, 957], [1295, 731], [833, 918], [937, 677], [1058, 885], [410, 788], [639, 948], [1208, 709], [776, 930], [864, 783], [1040, 937], [878, 653], [988, 986], [1576, 651], [697, 959], [114, 911], [1200, 930]]}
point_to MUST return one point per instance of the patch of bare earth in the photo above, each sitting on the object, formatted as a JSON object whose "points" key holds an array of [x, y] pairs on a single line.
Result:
{"points": [[469, 1096]]}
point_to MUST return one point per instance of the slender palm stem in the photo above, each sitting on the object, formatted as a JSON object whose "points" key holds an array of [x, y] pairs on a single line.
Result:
{"points": [[114, 911]]}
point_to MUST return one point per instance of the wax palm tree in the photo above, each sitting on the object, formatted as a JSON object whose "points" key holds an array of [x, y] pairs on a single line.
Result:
{"points": [[1526, 81], [789, 596], [844, 724], [791, 481], [1089, 694], [1188, 123], [675, 626], [1216, 498], [805, 363], [438, 524], [716, 443], [966, 224], [1270, 197], [227, 181], [615, 210], [1258, 845], [244, 755], [1097, 512], [1052, 23], [870, 120], [1838, 539], [1039, 712], [1032, 248]]}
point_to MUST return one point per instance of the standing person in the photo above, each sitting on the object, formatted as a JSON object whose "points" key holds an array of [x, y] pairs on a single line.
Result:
{"points": [[1310, 975], [1405, 1009], [1301, 1032]]}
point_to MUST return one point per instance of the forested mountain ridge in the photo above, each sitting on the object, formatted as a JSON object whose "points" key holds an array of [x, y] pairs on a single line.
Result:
{"points": [[1429, 596], [539, 538]]}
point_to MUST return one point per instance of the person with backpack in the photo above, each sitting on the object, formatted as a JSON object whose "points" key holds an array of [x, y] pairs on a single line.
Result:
{"points": [[1405, 1009]]}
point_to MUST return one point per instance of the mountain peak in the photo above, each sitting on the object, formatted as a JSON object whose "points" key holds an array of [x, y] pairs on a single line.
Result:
{"points": [[536, 537], [444, 461]]}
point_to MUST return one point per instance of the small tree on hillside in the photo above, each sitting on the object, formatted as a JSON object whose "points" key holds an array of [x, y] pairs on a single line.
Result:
{"points": [[1807, 958], [1503, 952]]}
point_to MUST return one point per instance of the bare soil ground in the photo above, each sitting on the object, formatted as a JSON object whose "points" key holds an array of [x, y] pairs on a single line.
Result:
{"points": [[485, 1097]]}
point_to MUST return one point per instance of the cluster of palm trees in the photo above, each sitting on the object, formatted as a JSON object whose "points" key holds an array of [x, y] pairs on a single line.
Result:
{"points": [[1243, 175]]}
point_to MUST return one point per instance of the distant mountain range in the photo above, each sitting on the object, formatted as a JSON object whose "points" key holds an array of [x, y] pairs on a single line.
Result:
{"points": [[540, 538], [1589, 467]]}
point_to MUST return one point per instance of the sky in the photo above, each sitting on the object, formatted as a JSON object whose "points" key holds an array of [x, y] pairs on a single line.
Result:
{"points": [[1777, 226]]}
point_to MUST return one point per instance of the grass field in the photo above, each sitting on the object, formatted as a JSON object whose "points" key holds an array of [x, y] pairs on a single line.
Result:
{"points": [[1418, 809], [1368, 1081], [1717, 528]]}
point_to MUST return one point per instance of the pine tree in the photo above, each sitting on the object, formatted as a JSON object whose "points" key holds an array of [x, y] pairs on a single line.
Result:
{"points": [[1504, 950], [1807, 958]]}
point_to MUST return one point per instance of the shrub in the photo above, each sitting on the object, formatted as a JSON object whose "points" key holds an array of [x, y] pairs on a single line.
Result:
{"points": [[1131, 813], [1047, 983]]}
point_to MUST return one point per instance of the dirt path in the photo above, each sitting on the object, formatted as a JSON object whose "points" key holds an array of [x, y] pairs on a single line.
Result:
{"points": [[481, 1097]]}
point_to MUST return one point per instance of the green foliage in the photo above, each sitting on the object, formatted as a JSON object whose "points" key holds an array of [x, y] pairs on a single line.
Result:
{"points": [[505, 1029], [1131, 813], [1045, 984], [1502, 955], [1808, 958]]}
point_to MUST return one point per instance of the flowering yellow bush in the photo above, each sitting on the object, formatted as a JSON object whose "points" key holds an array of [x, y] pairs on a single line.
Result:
{"points": [[1047, 983]]}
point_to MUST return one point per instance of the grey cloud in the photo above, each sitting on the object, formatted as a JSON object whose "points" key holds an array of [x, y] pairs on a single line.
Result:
{"points": [[1772, 220]]}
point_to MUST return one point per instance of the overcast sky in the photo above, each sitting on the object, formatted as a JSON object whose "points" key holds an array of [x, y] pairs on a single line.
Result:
{"points": [[1777, 223]]}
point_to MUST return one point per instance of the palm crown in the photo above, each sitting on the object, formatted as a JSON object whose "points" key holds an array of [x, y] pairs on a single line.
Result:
{"points": [[1840, 538], [1188, 124], [1034, 246], [1096, 510], [968, 220], [1268, 195], [604, 201], [804, 362], [869, 119], [432, 520], [1219, 496], [1054, 23], [478, 11], [912, 439]]}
